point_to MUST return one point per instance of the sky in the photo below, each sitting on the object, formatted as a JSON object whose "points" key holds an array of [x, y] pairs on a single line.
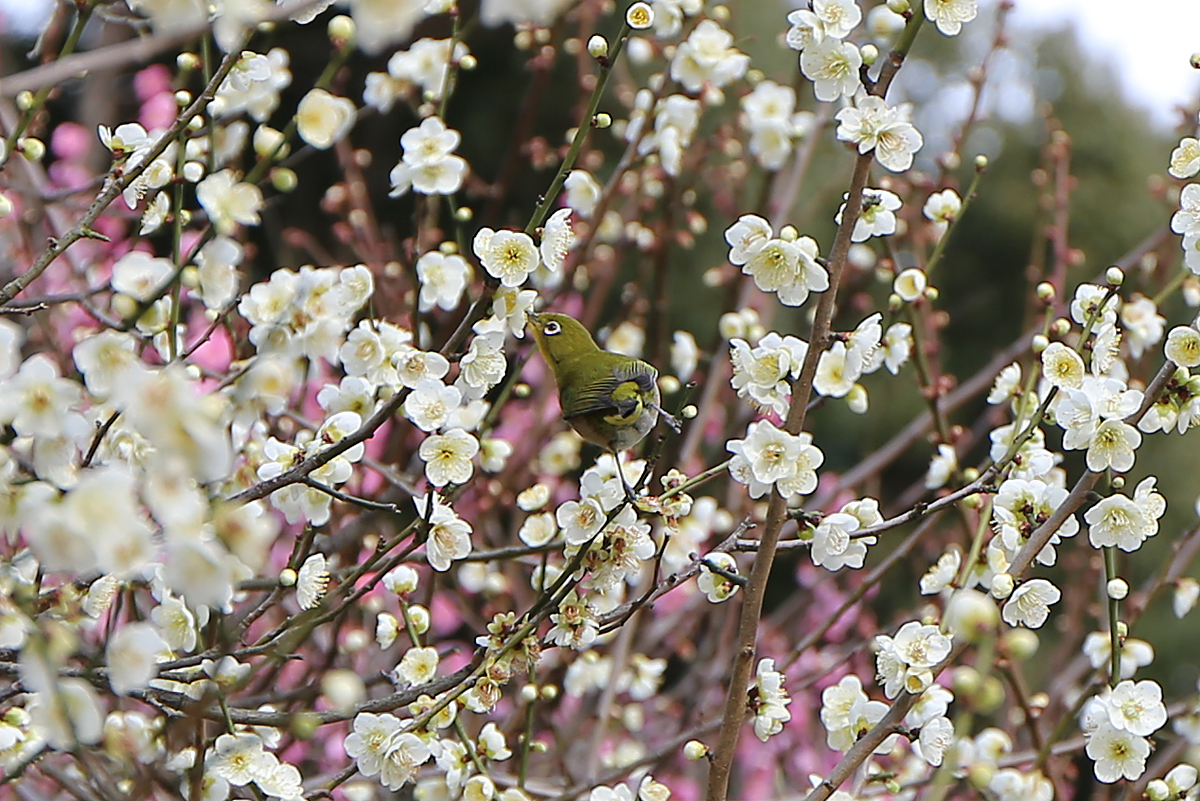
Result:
{"points": [[1149, 47]]}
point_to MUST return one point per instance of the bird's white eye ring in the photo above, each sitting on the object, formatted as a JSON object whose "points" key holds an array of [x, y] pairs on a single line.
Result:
{"points": [[551, 328]]}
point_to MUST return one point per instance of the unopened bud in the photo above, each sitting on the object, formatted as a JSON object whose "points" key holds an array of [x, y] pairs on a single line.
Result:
{"points": [[284, 179], [1039, 343], [694, 750], [602, 120], [981, 162], [1002, 586], [32, 149], [1045, 291], [187, 62], [25, 100], [1117, 589], [468, 62], [898, 6], [341, 30], [597, 46], [1114, 276]]}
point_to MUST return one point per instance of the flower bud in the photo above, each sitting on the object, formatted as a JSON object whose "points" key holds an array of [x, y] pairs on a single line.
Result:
{"points": [[602, 120], [529, 693], [287, 577], [187, 62], [1040, 343], [183, 98], [910, 284], [971, 615], [341, 30], [419, 616], [597, 46], [284, 179], [1002, 586], [898, 6], [1020, 644], [870, 54], [981, 162], [1157, 790], [25, 100], [32, 149], [1117, 589], [1114, 275], [694, 750], [468, 62]]}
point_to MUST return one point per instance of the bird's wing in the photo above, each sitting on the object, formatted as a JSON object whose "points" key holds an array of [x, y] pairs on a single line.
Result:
{"points": [[618, 388]]}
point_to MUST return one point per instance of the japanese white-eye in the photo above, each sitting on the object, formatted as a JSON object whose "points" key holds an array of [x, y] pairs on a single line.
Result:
{"points": [[610, 399]]}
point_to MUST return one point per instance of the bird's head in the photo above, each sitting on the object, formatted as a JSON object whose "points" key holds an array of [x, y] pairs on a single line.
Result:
{"points": [[560, 337]]}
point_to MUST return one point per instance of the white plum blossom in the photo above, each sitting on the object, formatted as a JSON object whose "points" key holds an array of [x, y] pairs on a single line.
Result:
{"points": [[1185, 159], [430, 404], [1113, 446], [1029, 605], [229, 202], [1186, 221], [426, 64], [935, 740], [132, 653], [1183, 346], [762, 373], [557, 240], [1126, 522], [708, 56], [323, 118], [770, 457], [428, 164], [1094, 305], [941, 467], [676, 119], [509, 256], [871, 124], [832, 545], [448, 456], [1142, 324], [770, 701], [583, 192], [716, 587], [443, 278], [905, 662], [312, 580], [789, 268], [449, 536], [1136, 707], [1117, 754], [878, 215], [1062, 366], [36, 399], [949, 15], [942, 208], [832, 65], [942, 574]]}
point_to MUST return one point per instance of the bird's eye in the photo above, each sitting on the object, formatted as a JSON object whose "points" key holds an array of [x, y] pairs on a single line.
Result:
{"points": [[551, 328]]}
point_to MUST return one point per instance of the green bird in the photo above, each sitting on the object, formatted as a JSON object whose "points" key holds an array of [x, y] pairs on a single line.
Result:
{"points": [[610, 399]]}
